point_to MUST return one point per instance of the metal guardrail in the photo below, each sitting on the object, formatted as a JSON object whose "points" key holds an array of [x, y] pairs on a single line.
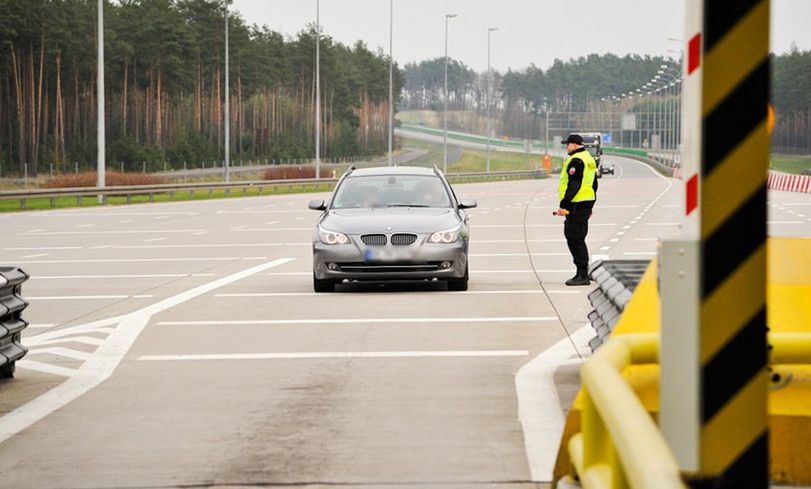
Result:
{"points": [[619, 445], [664, 167], [211, 187], [11, 321], [616, 281]]}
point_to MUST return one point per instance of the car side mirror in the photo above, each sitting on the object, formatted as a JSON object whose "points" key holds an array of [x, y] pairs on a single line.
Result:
{"points": [[317, 205], [467, 204]]}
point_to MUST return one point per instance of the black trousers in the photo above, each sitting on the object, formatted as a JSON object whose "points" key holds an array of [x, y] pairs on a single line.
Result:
{"points": [[575, 229]]}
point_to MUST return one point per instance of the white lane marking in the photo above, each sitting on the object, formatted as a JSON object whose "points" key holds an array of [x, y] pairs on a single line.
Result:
{"points": [[36, 231], [784, 222], [101, 247], [605, 248], [152, 240], [519, 271], [272, 322], [124, 221], [549, 240], [69, 213], [41, 326], [61, 352], [599, 257], [515, 254], [38, 255], [85, 297], [473, 271], [796, 204], [209, 245], [45, 248], [428, 294], [84, 225], [102, 326], [108, 277], [479, 226], [86, 340], [145, 260], [104, 361], [266, 230], [539, 409], [297, 211], [161, 217], [42, 232], [613, 240], [45, 368], [336, 354]]}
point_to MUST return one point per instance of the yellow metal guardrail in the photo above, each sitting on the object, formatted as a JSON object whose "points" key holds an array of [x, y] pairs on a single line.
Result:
{"points": [[620, 445]]}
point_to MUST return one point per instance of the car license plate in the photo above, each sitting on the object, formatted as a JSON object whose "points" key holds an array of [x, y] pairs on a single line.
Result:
{"points": [[383, 255]]}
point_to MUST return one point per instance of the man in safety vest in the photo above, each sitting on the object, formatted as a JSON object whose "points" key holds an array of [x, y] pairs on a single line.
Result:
{"points": [[577, 191]]}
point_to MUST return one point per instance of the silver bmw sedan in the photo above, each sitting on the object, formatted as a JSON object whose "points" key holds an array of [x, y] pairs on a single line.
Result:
{"points": [[391, 223]]}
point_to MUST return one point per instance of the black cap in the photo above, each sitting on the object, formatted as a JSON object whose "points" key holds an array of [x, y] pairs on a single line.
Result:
{"points": [[574, 139]]}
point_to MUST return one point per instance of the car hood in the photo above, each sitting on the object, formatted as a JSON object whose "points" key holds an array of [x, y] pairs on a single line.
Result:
{"points": [[390, 220]]}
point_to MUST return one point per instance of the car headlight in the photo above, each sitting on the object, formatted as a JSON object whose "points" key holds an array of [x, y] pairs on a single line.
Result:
{"points": [[449, 236], [332, 238]]}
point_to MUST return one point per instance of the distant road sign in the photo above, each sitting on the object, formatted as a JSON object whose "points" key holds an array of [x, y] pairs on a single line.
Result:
{"points": [[607, 138], [628, 122]]}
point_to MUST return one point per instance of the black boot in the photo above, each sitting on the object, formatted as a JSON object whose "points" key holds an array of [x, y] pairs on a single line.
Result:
{"points": [[578, 280]]}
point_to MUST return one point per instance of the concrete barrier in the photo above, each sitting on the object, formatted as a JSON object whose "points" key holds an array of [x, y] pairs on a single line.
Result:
{"points": [[11, 322]]}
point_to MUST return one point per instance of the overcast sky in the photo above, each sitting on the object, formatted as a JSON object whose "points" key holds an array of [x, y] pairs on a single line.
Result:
{"points": [[530, 31]]}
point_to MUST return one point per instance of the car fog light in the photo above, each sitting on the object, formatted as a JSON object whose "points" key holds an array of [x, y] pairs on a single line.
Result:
{"points": [[332, 266], [445, 264]]}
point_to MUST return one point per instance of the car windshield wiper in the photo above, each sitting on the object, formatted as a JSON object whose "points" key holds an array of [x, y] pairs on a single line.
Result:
{"points": [[408, 205]]}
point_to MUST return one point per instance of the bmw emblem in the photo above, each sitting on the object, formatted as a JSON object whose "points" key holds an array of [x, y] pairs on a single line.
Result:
{"points": [[388, 228]]}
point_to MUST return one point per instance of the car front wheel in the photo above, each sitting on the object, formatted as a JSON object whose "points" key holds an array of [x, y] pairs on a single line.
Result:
{"points": [[323, 285]]}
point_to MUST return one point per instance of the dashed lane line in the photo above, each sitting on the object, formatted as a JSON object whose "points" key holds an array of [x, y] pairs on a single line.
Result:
{"points": [[146, 260], [85, 297], [275, 322], [335, 355], [121, 276]]}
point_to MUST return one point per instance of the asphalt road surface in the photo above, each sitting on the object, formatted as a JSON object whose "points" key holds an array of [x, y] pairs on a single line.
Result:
{"points": [[181, 344]]}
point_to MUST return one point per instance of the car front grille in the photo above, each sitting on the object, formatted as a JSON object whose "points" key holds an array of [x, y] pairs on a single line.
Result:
{"points": [[374, 239], [403, 239]]}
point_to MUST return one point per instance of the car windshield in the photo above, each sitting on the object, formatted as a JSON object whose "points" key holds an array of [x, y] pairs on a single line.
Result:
{"points": [[391, 191]]}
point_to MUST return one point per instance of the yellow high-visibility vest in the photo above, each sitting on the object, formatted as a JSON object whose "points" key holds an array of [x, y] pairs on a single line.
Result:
{"points": [[586, 191]]}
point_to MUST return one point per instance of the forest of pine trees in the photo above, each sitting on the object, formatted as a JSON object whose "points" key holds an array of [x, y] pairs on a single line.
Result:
{"points": [[165, 87]]}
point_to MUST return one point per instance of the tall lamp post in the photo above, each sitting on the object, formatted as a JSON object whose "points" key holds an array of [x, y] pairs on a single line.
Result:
{"points": [[100, 142], [317, 89], [487, 94], [445, 121], [391, 78], [227, 163]]}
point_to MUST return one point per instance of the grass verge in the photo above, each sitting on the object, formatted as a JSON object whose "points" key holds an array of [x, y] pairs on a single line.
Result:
{"points": [[790, 163]]}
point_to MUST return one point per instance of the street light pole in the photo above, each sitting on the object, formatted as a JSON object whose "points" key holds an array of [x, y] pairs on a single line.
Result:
{"points": [[487, 94], [227, 102], [100, 141], [445, 118], [391, 78], [317, 89]]}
